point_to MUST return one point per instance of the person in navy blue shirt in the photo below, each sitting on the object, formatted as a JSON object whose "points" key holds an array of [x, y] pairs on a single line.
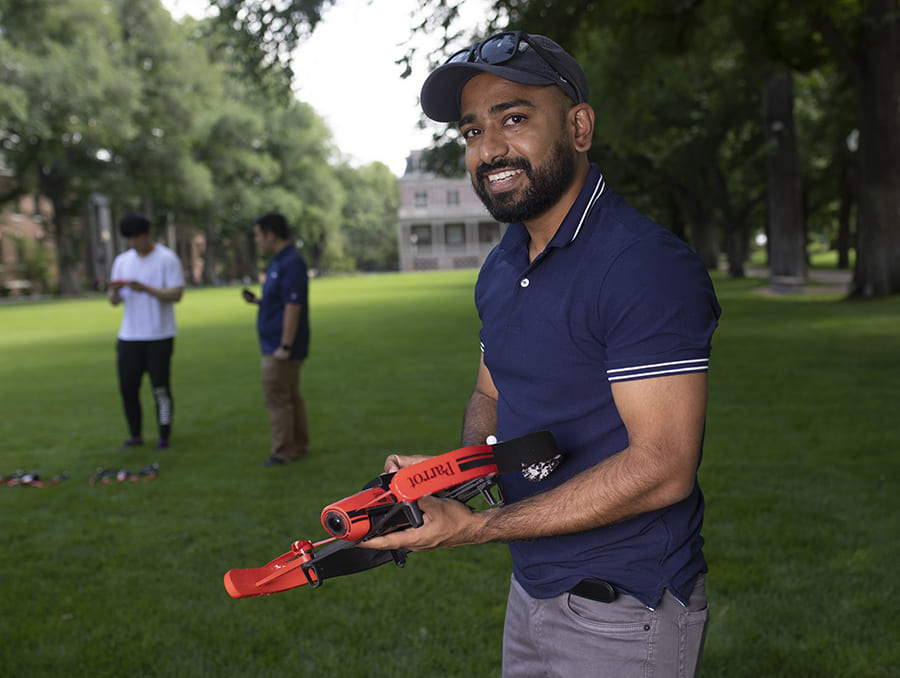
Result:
{"points": [[597, 326], [283, 327]]}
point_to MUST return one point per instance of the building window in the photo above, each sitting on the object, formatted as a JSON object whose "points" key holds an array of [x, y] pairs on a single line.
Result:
{"points": [[455, 235], [489, 232], [453, 197], [420, 237], [421, 199]]}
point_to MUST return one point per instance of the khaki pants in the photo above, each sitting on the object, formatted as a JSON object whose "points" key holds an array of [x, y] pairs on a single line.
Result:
{"points": [[287, 412]]}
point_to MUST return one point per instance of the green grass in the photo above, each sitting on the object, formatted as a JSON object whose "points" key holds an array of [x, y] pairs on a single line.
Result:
{"points": [[800, 475]]}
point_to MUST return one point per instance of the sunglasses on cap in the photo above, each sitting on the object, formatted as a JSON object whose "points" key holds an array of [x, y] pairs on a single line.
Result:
{"points": [[500, 48]]}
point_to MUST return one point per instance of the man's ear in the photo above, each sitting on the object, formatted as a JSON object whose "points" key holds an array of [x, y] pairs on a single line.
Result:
{"points": [[581, 122]]}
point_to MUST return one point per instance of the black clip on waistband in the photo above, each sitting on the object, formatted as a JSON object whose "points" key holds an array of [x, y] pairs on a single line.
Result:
{"points": [[595, 589]]}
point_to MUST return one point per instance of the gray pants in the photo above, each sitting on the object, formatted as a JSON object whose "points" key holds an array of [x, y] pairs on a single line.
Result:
{"points": [[573, 637]]}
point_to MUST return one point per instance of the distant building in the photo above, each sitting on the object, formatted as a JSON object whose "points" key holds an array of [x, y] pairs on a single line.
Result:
{"points": [[28, 263], [27, 250], [442, 222]]}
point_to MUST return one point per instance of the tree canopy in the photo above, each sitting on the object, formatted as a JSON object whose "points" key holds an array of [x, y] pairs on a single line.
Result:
{"points": [[740, 118], [725, 121], [115, 97], [690, 120]]}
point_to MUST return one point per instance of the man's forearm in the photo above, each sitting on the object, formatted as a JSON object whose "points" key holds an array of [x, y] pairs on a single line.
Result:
{"points": [[171, 294], [621, 487], [289, 324], [480, 419], [168, 294]]}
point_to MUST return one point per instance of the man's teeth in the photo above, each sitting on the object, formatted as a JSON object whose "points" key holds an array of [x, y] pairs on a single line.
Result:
{"points": [[500, 176]]}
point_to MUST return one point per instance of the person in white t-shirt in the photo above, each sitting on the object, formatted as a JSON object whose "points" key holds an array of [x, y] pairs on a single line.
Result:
{"points": [[148, 279]]}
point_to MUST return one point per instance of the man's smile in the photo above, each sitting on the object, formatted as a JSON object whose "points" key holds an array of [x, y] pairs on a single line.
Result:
{"points": [[505, 174], [497, 180]]}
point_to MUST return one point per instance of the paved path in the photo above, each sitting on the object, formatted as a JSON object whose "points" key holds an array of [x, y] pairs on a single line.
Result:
{"points": [[823, 280]]}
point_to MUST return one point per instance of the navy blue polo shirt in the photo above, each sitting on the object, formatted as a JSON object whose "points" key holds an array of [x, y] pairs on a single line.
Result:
{"points": [[614, 296], [286, 283]]}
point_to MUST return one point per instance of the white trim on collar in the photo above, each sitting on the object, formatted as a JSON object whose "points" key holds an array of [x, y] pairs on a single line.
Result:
{"points": [[598, 191]]}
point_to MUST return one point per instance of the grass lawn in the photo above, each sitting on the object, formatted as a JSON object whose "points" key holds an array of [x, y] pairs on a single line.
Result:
{"points": [[800, 474]]}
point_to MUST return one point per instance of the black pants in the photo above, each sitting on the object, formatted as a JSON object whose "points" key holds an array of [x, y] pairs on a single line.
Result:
{"points": [[154, 358]]}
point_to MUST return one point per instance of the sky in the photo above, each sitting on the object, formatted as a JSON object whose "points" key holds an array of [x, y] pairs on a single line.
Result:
{"points": [[346, 72]]}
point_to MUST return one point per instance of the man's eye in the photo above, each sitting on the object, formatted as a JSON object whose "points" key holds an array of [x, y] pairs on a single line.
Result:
{"points": [[514, 119], [471, 132]]}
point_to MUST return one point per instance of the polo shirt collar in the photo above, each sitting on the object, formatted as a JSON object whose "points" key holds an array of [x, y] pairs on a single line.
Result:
{"points": [[283, 252], [570, 229]]}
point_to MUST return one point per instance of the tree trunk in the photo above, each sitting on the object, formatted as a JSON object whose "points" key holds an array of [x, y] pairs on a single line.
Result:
{"points": [[736, 249], [736, 236], [55, 189], [787, 237], [704, 238], [877, 86], [845, 211], [65, 255], [675, 222], [252, 268], [209, 257]]}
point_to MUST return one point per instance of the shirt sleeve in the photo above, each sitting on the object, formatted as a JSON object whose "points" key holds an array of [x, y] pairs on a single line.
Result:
{"points": [[662, 313], [293, 282], [115, 273], [120, 272], [174, 276]]}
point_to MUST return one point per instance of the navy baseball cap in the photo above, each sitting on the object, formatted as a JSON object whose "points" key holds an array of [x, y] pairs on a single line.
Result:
{"points": [[512, 55]]}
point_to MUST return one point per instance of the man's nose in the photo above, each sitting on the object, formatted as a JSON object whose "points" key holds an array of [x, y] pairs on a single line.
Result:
{"points": [[493, 146]]}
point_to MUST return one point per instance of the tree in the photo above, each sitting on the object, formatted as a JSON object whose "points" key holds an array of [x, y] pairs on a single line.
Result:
{"points": [[73, 100], [117, 98], [307, 189], [268, 154], [824, 114], [179, 92], [263, 34], [370, 216], [863, 39], [233, 153], [864, 36], [787, 232]]}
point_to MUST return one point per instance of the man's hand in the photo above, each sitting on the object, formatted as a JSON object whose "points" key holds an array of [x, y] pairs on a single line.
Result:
{"points": [[249, 297], [168, 294], [447, 522], [281, 353], [395, 462], [112, 292]]}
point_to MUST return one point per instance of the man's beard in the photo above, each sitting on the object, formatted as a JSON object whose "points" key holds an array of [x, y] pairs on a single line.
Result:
{"points": [[546, 186]]}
